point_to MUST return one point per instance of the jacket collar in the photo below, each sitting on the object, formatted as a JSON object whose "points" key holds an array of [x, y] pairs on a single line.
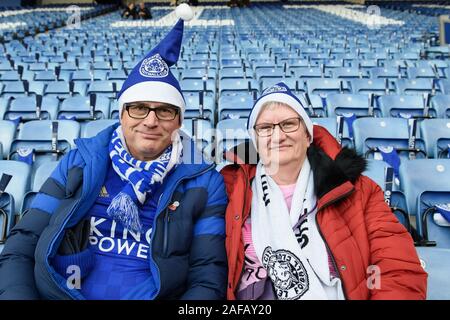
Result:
{"points": [[335, 169]]}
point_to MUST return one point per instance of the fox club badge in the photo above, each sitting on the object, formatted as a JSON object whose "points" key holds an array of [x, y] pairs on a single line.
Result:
{"points": [[287, 273], [154, 67]]}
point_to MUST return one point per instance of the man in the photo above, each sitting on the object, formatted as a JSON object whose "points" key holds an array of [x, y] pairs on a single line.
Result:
{"points": [[130, 11], [144, 12], [126, 215]]}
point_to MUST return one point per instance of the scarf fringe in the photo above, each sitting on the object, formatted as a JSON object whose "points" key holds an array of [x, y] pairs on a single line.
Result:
{"points": [[124, 209]]}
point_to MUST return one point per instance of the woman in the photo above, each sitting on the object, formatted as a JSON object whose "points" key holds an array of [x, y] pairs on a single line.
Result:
{"points": [[304, 223]]}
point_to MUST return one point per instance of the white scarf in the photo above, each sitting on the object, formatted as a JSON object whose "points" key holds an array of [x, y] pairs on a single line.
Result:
{"points": [[296, 260]]}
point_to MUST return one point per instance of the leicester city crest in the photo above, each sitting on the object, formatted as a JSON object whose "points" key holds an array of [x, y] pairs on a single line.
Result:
{"points": [[275, 88], [154, 67], [287, 273]]}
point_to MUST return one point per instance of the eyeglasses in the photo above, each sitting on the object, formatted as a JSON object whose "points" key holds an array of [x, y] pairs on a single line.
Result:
{"points": [[140, 111], [287, 126]]}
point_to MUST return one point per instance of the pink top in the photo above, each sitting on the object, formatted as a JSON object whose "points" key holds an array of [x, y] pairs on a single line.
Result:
{"points": [[253, 270]]}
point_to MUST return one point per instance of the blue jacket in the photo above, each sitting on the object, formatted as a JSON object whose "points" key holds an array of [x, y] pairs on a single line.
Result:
{"points": [[188, 257]]}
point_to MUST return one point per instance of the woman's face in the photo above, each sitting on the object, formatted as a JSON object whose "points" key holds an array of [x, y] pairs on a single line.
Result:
{"points": [[281, 148]]}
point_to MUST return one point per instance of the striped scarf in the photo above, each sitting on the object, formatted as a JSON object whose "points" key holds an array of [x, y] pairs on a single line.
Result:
{"points": [[143, 177]]}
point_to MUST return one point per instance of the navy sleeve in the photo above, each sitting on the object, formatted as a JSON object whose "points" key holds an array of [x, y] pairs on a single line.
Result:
{"points": [[207, 278]]}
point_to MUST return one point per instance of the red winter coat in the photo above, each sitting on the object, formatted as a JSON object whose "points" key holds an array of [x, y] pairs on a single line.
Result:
{"points": [[357, 225]]}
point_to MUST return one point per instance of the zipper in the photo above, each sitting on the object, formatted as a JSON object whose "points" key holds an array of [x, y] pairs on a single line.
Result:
{"points": [[242, 216], [166, 232], [333, 259], [152, 237]]}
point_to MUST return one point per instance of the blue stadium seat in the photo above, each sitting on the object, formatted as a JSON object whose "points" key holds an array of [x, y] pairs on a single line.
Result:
{"points": [[5, 66], [202, 64], [377, 171], [46, 76], [199, 74], [326, 86], [296, 63], [436, 262], [18, 89], [271, 72], [415, 73], [87, 76], [231, 63], [444, 86], [396, 105], [439, 64], [28, 108], [235, 73], [12, 75], [441, 103], [195, 85], [235, 106], [364, 64], [92, 128], [105, 88], [371, 86], [436, 134], [37, 135], [38, 177], [18, 185], [114, 109], [193, 102], [426, 183], [415, 86], [308, 73], [390, 73], [348, 73], [116, 75], [372, 133], [358, 104], [63, 89], [232, 86], [204, 133], [79, 108], [7, 133]]}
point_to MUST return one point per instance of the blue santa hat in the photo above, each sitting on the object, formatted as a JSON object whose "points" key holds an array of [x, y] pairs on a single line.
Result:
{"points": [[279, 92], [151, 79]]}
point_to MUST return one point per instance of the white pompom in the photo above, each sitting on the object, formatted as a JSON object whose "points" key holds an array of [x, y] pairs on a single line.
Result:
{"points": [[184, 11]]}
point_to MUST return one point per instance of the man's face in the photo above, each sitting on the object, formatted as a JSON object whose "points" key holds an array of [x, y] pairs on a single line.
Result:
{"points": [[147, 138]]}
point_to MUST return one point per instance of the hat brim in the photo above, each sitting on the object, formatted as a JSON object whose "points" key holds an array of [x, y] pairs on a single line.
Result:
{"points": [[283, 98], [155, 91]]}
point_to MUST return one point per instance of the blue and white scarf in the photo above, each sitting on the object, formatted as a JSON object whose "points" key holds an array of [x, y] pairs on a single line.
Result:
{"points": [[144, 178]]}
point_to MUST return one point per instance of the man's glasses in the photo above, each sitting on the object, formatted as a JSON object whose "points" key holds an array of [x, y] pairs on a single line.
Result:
{"points": [[140, 111], [287, 126]]}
